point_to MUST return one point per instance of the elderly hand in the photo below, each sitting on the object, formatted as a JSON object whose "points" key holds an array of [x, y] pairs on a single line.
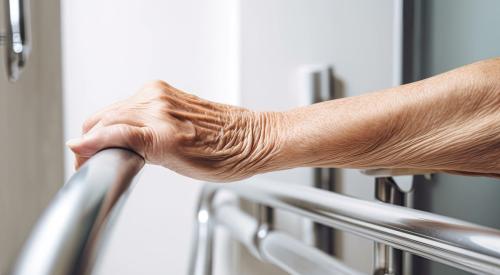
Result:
{"points": [[449, 122], [182, 132]]}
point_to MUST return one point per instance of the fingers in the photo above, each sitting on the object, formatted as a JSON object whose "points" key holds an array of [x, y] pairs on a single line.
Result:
{"points": [[95, 118], [98, 116], [90, 123], [118, 135], [74, 143], [129, 117], [110, 127], [79, 159]]}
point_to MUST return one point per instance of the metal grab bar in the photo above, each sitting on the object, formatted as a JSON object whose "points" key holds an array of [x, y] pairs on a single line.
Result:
{"points": [[276, 247], [66, 238], [450, 241], [267, 245]]}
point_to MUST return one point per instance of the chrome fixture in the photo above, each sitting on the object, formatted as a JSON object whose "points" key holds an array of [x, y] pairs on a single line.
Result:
{"points": [[17, 39], [71, 233], [450, 241], [393, 186], [67, 238], [262, 242], [388, 260]]}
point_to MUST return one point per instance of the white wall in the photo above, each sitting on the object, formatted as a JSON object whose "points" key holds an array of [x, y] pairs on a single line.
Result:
{"points": [[111, 48]]}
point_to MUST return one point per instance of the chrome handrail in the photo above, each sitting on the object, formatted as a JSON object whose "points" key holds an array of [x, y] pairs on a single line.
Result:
{"points": [[66, 238], [457, 243], [277, 247]]}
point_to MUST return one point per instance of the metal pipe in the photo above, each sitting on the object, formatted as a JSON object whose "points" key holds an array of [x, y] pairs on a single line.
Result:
{"points": [[450, 241], [67, 238], [296, 258], [387, 260], [241, 226], [323, 237], [202, 242], [276, 247]]}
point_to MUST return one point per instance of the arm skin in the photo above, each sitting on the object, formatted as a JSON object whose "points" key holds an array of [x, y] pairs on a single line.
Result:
{"points": [[450, 123]]}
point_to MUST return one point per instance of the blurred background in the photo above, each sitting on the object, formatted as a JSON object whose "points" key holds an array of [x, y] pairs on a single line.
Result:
{"points": [[87, 54]]}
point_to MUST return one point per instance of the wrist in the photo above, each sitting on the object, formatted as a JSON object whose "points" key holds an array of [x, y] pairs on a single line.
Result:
{"points": [[268, 138], [283, 133]]}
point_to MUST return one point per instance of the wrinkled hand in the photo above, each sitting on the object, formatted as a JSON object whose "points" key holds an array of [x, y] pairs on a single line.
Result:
{"points": [[184, 133]]}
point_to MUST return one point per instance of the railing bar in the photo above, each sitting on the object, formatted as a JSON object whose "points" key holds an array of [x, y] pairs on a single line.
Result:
{"points": [[489, 266], [276, 247], [429, 235], [67, 236]]}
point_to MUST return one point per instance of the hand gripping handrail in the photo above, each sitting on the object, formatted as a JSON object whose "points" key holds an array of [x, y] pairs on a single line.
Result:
{"points": [[66, 238], [450, 241]]}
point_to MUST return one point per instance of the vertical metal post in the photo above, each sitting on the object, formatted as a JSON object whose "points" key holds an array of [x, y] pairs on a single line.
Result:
{"points": [[265, 219], [394, 186], [317, 86], [203, 238], [265, 215], [324, 236], [388, 260]]}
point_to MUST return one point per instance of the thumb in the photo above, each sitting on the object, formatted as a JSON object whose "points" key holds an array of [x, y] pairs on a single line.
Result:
{"points": [[117, 135]]}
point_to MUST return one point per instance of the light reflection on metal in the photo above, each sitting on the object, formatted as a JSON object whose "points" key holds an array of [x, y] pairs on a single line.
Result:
{"points": [[450, 241], [17, 40], [68, 237]]}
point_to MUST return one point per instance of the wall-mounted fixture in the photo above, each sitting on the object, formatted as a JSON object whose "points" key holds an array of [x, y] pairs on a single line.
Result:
{"points": [[17, 39]]}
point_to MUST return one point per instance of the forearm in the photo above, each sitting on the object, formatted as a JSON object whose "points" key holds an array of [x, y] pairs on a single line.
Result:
{"points": [[448, 122]]}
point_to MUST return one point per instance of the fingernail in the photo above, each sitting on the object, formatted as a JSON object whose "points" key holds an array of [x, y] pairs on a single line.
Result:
{"points": [[73, 142]]}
